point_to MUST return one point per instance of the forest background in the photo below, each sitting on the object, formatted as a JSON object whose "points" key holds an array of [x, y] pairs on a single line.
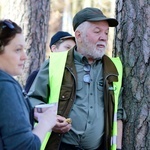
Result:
{"points": [[130, 40]]}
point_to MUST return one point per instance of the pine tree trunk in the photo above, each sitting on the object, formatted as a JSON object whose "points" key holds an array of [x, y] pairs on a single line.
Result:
{"points": [[36, 21], [133, 46]]}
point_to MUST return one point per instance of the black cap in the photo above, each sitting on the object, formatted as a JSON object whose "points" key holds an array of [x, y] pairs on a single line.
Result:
{"points": [[92, 15], [60, 35]]}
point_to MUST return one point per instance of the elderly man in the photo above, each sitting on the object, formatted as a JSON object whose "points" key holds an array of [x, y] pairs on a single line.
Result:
{"points": [[86, 94]]}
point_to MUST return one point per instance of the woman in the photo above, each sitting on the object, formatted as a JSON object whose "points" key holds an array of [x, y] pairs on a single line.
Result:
{"points": [[16, 119]]}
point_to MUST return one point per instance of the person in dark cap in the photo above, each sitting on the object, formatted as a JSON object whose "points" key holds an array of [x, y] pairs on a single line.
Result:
{"points": [[86, 94], [60, 41], [92, 15]]}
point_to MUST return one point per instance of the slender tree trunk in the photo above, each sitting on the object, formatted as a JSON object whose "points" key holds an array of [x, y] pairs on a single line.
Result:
{"points": [[133, 46]]}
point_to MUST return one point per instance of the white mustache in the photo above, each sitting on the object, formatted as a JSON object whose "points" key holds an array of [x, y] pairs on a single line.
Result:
{"points": [[101, 43]]}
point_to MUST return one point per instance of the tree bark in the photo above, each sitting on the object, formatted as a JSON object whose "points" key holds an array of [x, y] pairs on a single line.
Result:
{"points": [[132, 44], [36, 22]]}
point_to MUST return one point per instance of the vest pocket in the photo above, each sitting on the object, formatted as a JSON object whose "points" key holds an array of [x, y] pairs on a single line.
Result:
{"points": [[100, 84], [64, 98]]}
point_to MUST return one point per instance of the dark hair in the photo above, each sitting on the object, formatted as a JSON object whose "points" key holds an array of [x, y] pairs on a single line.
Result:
{"points": [[8, 30]]}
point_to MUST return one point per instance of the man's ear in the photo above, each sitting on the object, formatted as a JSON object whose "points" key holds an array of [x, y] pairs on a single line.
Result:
{"points": [[78, 36], [53, 48]]}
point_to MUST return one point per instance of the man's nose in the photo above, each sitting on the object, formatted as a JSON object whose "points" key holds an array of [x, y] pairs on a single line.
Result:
{"points": [[103, 37]]}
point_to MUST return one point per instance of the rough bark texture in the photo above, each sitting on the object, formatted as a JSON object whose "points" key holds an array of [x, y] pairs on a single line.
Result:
{"points": [[133, 46], [36, 19]]}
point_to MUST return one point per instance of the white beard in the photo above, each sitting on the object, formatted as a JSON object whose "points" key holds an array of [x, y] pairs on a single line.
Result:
{"points": [[90, 50]]}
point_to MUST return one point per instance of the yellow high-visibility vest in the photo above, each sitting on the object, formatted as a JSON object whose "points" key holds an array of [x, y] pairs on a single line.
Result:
{"points": [[56, 69], [117, 87]]}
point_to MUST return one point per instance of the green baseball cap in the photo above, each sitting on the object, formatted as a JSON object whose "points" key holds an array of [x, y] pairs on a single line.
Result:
{"points": [[92, 15]]}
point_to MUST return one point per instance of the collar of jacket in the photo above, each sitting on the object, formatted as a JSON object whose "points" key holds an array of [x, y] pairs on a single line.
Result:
{"points": [[70, 62], [110, 70]]}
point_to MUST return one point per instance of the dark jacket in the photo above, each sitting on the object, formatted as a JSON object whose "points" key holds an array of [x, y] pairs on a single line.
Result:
{"points": [[68, 92]]}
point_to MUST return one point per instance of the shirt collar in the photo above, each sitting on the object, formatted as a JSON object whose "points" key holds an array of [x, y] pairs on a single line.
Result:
{"points": [[79, 57], [82, 59]]}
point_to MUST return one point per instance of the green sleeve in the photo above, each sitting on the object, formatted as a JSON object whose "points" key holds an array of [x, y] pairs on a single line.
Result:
{"points": [[39, 90]]}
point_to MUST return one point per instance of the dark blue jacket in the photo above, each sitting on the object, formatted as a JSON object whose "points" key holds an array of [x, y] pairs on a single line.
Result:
{"points": [[15, 117]]}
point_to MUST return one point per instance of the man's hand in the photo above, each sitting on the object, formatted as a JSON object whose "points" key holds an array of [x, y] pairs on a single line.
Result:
{"points": [[62, 126]]}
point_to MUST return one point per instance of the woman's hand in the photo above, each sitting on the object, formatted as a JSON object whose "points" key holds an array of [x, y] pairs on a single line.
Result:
{"points": [[48, 118]]}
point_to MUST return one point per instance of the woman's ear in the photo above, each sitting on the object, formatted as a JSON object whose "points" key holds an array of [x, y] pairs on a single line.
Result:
{"points": [[53, 48]]}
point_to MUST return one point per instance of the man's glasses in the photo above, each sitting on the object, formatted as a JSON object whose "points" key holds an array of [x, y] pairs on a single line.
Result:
{"points": [[86, 77], [6, 23]]}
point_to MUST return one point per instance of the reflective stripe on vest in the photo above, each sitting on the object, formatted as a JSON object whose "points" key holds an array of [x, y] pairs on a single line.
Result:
{"points": [[117, 87], [56, 69]]}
